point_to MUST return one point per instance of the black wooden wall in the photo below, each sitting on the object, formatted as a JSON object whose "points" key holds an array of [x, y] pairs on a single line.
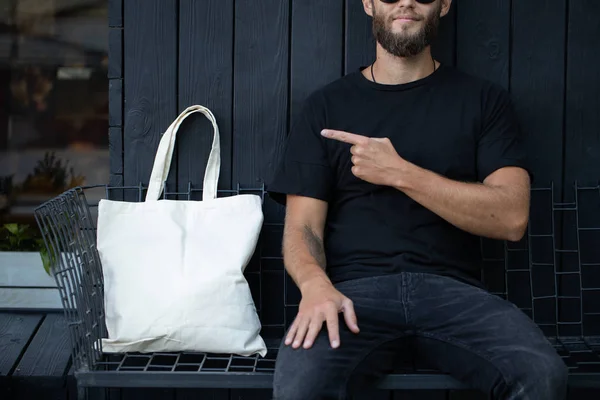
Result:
{"points": [[253, 62]]}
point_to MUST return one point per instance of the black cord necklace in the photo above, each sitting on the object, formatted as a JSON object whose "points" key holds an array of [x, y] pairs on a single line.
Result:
{"points": [[373, 75]]}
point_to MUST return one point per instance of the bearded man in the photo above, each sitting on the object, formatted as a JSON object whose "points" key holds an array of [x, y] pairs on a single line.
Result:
{"points": [[390, 176]]}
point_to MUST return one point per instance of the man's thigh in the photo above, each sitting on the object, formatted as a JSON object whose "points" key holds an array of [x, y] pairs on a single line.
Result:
{"points": [[322, 372], [484, 340]]}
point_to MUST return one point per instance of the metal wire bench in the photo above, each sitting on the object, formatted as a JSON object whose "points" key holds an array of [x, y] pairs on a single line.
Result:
{"points": [[553, 275]]}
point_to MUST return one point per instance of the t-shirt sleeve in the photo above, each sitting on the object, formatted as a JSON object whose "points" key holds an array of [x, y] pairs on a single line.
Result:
{"points": [[500, 143], [304, 168]]}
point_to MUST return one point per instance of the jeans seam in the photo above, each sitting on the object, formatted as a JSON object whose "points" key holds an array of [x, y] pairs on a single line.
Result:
{"points": [[418, 279], [344, 392], [404, 287], [456, 342]]}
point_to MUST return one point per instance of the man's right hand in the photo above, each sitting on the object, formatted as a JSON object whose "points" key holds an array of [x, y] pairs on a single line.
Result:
{"points": [[321, 302]]}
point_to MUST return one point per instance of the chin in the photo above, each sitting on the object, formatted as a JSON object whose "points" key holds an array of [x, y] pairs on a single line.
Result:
{"points": [[403, 33], [401, 27]]}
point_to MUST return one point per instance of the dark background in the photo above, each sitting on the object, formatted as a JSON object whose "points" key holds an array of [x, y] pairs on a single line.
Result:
{"points": [[253, 62]]}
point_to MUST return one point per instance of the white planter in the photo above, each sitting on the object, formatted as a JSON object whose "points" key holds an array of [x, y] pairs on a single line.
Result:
{"points": [[23, 269], [24, 284]]}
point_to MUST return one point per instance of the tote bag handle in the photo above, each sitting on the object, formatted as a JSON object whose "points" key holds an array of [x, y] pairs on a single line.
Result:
{"points": [[164, 155]]}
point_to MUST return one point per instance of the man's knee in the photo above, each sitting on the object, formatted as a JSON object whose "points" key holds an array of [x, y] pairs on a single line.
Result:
{"points": [[302, 374], [546, 379], [298, 388]]}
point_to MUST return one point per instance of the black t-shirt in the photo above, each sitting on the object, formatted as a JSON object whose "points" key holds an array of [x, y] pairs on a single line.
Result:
{"points": [[449, 122]]}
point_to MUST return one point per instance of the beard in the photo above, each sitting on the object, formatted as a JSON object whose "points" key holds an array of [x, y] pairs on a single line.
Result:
{"points": [[403, 44]]}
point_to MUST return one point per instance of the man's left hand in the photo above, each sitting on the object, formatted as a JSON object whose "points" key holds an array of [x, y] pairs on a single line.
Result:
{"points": [[374, 160]]}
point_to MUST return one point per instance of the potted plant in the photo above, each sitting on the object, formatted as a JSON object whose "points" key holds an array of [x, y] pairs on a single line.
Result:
{"points": [[51, 176]]}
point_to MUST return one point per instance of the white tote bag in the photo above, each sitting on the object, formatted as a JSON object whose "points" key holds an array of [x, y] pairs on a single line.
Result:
{"points": [[173, 269]]}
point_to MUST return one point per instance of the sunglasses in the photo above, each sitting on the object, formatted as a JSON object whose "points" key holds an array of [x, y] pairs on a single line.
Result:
{"points": [[418, 1]]}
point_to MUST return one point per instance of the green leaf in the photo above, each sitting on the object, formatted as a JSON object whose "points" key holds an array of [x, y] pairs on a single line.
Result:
{"points": [[17, 237], [46, 260], [12, 228]]}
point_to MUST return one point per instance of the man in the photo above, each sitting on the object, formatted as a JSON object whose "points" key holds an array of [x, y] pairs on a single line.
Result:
{"points": [[391, 175]]}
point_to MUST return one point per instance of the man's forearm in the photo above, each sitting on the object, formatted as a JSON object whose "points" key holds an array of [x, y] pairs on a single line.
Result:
{"points": [[304, 256], [497, 209], [484, 210]]}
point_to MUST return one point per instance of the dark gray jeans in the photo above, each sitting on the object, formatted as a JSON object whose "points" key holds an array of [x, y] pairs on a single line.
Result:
{"points": [[475, 336]]}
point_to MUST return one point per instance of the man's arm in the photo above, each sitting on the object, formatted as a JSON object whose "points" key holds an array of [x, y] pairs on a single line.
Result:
{"points": [[498, 208], [303, 251], [304, 259]]}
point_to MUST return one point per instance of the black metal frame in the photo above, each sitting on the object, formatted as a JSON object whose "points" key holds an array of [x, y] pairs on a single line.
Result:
{"points": [[557, 266]]}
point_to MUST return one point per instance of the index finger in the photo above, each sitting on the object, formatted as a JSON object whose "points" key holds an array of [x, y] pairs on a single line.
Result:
{"points": [[343, 136]]}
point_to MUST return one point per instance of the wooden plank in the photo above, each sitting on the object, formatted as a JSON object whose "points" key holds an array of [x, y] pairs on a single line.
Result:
{"points": [[115, 53], [537, 84], [316, 48], [15, 332], [115, 102], [115, 70], [116, 181], [582, 150], [205, 78], [444, 48], [483, 31], [316, 52], [260, 89], [150, 65], [582, 142], [29, 299], [49, 352], [260, 113], [537, 88], [115, 13], [115, 147], [360, 43], [42, 371]]}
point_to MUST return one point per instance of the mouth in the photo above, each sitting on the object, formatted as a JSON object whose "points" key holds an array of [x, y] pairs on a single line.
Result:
{"points": [[406, 18]]}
